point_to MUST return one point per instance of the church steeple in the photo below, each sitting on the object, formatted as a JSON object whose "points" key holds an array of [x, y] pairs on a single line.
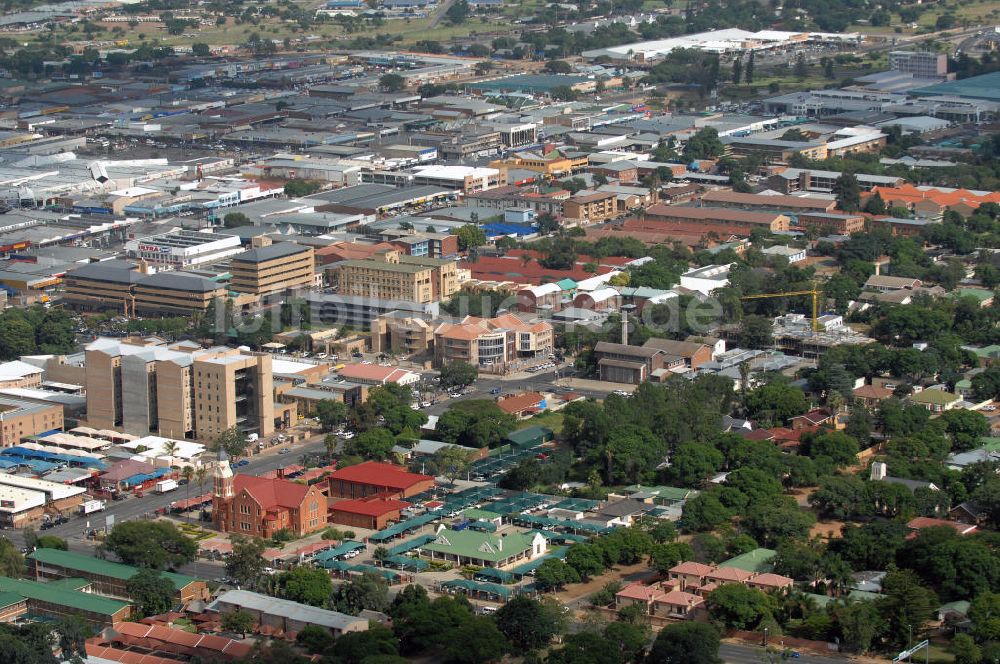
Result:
{"points": [[222, 475]]}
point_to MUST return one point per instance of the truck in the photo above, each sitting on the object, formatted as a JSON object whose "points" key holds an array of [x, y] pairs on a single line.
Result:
{"points": [[164, 486], [91, 506]]}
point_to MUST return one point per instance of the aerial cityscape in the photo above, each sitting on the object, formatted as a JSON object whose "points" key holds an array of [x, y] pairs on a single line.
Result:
{"points": [[482, 331]]}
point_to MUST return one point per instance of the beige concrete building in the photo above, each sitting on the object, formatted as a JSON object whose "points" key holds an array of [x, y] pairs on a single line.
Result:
{"points": [[391, 275], [272, 268], [20, 418], [491, 342], [180, 390], [408, 335]]}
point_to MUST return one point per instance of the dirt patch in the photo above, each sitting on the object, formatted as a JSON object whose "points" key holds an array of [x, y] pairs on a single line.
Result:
{"points": [[827, 529], [624, 574]]}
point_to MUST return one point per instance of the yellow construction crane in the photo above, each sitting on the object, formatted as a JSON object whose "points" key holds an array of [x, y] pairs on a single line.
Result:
{"points": [[814, 292]]}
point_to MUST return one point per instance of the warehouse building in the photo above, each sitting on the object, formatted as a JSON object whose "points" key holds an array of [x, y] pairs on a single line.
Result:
{"points": [[62, 599], [285, 616], [178, 250]]}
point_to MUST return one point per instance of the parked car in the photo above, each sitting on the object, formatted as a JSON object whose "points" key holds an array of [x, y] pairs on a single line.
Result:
{"points": [[284, 450]]}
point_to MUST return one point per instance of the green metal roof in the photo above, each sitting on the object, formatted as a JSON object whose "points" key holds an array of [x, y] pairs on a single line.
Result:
{"points": [[80, 563], [484, 515], [9, 598], [985, 86], [980, 294], [53, 594], [529, 435], [482, 546], [935, 397], [758, 560]]}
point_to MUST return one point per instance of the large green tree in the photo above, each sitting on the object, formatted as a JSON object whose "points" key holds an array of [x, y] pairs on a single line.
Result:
{"points": [[151, 592], [153, 544], [306, 585], [686, 643]]}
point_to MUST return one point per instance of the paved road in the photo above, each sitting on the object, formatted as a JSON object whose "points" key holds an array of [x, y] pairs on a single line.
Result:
{"points": [[739, 654]]}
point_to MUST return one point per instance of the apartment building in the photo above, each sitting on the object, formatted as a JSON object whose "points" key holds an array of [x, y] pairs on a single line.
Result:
{"points": [[494, 342], [272, 268], [180, 390], [791, 180], [772, 150], [20, 418], [841, 223], [591, 208], [759, 202], [130, 289], [391, 275], [398, 332]]}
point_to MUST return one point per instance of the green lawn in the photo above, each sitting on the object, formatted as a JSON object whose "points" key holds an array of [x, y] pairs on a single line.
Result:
{"points": [[551, 419]]}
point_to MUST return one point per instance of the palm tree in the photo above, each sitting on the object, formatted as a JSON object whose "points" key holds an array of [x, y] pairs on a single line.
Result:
{"points": [[380, 554], [200, 474], [170, 449]]}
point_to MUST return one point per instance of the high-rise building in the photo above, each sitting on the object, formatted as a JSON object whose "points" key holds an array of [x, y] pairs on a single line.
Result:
{"points": [[922, 64], [272, 268], [180, 390]]}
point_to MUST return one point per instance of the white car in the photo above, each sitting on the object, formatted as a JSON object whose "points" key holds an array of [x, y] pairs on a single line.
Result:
{"points": [[347, 435]]}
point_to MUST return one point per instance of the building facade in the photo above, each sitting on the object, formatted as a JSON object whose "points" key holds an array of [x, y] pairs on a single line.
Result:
{"points": [[273, 268], [391, 275], [495, 342]]}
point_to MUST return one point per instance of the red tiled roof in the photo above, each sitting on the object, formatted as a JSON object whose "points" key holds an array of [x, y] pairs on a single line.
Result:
{"points": [[520, 402], [692, 568], [370, 506], [640, 591], [271, 492], [681, 598], [729, 574], [772, 580], [373, 372], [380, 474], [124, 656], [921, 522]]}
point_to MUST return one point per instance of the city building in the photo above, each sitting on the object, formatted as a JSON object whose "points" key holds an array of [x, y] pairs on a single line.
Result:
{"points": [[391, 275], [375, 374], [56, 496], [491, 342], [261, 506], [20, 418], [180, 390], [179, 249], [372, 478], [839, 223], [272, 268], [760, 202], [105, 577], [791, 180], [590, 208], [285, 616], [130, 289], [401, 333], [922, 64], [19, 374], [468, 179]]}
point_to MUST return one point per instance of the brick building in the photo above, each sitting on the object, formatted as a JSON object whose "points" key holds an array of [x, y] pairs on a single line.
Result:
{"points": [[373, 478], [374, 513], [721, 221], [261, 506]]}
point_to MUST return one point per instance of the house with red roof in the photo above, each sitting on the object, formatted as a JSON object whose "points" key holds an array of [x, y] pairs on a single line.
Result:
{"points": [[921, 522], [376, 374], [261, 506], [175, 642], [373, 478]]}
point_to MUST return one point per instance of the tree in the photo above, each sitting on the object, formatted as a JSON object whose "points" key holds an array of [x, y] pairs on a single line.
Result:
{"points": [[748, 74], [665, 556], [368, 591], [17, 337], [246, 563], [801, 67], [470, 236], [73, 632], [151, 592], [232, 441], [458, 374], [773, 404], [686, 643], [834, 445], [297, 188], [704, 144], [692, 462], [374, 444], [756, 332], [558, 67], [237, 621], [586, 559], [306, 585], [704, 512], [477, 641], [475, 423], [484, 67], [451, 462], [527, 623], [630, 453], [52, 542], [331, 413], [153, 544], [737, 70], [200, 50], [848, 192], [458, 12], [739, 607], [315, 640], [860, 623], [772, 519], [362, 647], [392, 82], [965, 650], [554, 574], [11, 560], [965, 428], [906, 605], [984, 611]]}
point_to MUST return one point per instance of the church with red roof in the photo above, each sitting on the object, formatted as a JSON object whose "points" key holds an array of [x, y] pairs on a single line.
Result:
{"points": [[261, 506]]}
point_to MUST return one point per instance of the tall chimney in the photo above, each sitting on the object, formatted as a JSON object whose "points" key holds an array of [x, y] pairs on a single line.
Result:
{"points": [[624, 328]]}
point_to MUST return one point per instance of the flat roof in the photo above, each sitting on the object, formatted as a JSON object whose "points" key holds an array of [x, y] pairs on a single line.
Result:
{"points": [[54, 489], [986, 86], [271, 252]]}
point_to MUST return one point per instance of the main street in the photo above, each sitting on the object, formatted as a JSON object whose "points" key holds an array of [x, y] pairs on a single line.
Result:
{"points": [[733, 653]]}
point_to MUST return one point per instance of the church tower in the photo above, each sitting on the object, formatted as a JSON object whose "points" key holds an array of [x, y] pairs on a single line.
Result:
{"points": [[222, 477]]}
